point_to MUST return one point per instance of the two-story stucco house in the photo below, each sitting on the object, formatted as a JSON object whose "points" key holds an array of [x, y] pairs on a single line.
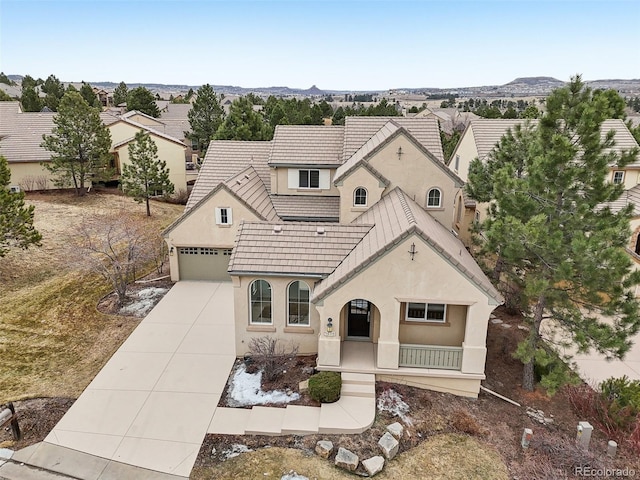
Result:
{"points": [[343, 239]]}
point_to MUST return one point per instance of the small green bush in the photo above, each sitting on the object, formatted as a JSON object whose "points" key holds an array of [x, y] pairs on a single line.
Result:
{"points": [[622, 399], [325, 386]]}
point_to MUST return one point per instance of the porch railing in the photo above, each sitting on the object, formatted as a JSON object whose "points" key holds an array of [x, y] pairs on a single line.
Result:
{"points": [[430, 356]]}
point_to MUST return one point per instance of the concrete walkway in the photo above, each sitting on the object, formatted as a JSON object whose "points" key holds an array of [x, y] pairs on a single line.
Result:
{"points": [[151, 404]]}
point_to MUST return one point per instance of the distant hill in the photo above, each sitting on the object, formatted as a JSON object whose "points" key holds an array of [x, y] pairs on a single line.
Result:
{"points": [[535, 81]]}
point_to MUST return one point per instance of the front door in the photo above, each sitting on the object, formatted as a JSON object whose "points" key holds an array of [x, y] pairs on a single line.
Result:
{"points": [[359, 320]]}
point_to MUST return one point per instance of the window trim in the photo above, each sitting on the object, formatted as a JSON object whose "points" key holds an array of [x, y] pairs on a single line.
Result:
{"points": [[457, 163], [355, 196], [439, 197], [251, 321], [308, 303], [424, 319], [229, 214], [621, 177], [308, 174]]}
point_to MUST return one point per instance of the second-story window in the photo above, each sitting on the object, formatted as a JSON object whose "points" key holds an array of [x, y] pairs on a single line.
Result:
{"points": [[309, 178], [618, 176]]}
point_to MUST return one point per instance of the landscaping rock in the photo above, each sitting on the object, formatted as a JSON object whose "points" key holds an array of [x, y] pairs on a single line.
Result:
{"points": [[303, 386], [388, 445], [324, 448], [539, 416], [396, 429], [347, 460], [373, 465], [496, 321], [293, 475]]}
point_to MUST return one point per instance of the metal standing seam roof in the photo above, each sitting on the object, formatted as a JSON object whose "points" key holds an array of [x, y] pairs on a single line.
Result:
{"points": [[21, 133], [224, 159], [358, 130], [307, 145], [307, 207], [395, 217], [297, 249]]}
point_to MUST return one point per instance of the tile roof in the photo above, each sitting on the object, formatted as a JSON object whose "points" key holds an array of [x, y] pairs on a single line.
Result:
{"points": [[395, 217], [298, 249], [307, 145], [307, 207], [224, 159], [488, 132], [628, 197], [358, 130], [248, 186], [21, 133], [175, 116]]}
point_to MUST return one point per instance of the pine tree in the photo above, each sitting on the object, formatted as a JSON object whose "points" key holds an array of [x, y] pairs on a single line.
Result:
{"points": [[79, 143], [243, 123], [147, 174], [16, 219], [142, 100], [120, 94], [558, 244], [205, 117], [90, 96], [54, 90]]}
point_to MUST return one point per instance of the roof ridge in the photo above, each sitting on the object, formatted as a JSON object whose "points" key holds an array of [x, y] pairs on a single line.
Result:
{"points": [[405, 206]]}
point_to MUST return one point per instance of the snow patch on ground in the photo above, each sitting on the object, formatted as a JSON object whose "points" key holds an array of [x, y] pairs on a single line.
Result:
{"points": [[245, 389], [391, 401], [143, 301], [293, 475], [235, 450]]}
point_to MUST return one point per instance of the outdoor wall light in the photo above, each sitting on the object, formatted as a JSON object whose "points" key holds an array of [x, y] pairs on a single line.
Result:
{"points": [[412, 252], [329, 325], [171, 251]]}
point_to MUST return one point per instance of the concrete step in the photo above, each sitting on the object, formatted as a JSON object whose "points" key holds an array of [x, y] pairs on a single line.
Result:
{"points": [[358, 378], [265, 421], [349, 415], [300, 420], [358, 390], [229, 421]]}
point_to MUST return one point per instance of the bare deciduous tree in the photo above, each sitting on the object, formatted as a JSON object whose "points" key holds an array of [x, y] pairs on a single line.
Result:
{"points": [[272, 355], [114, 246]]}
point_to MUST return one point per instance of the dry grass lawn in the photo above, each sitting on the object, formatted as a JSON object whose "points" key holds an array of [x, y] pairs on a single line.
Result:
{"points": [[441, 457], [53, 340]]}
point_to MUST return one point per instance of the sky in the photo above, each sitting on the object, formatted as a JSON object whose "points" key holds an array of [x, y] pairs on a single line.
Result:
{"points": [[346, 45]]}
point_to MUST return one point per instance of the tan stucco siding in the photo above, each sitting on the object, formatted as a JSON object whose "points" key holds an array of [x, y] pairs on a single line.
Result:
{"points": [[631, 177], [280, 182], [449, 334], [306, 338], [464, 387], [467, 151], [171, 152], [360, 177], [149, 122], [199, 228], [30, 176], [416, 175], [394, 278]]}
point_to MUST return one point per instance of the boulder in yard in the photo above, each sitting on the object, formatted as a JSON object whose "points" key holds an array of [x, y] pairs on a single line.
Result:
{"points": [[373, 465], [303, 386], [396, 429], [388, 445], [346, 459], [324, 448]]}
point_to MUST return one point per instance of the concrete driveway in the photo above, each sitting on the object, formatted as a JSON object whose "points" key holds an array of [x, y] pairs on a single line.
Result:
{"points": [[151, 404]]}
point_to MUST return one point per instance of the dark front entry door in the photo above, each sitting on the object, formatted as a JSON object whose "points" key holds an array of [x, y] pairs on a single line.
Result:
{"points": [[359, 324]]}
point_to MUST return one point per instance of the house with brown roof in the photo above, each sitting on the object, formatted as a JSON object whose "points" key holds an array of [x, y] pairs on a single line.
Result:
{"points": [[21, 138], [343, 239]]}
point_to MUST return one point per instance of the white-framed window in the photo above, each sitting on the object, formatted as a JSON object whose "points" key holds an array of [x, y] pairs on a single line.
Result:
{"points": [[426, 312], [457, 163], [434, 198], [298, 295], [223, 216], [260, 302], [360, 197], [308, 178], [618, 176]]}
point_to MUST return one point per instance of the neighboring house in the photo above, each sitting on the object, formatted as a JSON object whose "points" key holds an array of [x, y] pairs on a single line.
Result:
{"points": [[123, 130], [341, 240], [21, 135], [482, 135], [450, 119]]}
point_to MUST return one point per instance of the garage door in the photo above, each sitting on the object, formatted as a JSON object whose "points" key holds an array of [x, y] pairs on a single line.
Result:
{"points": [[200, 263]]}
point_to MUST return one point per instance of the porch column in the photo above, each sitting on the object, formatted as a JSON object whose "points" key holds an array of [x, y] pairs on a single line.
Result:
{"points": [[474, 346], [388, 341], [329, 342]]}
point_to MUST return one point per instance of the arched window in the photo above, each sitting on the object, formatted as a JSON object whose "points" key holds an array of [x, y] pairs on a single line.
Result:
{"points": [[434, 198], [298, 301], [260, 301], [360, 197]]}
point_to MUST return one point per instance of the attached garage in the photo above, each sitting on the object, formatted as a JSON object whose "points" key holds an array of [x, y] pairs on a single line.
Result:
{"points": [[203, 263]]}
